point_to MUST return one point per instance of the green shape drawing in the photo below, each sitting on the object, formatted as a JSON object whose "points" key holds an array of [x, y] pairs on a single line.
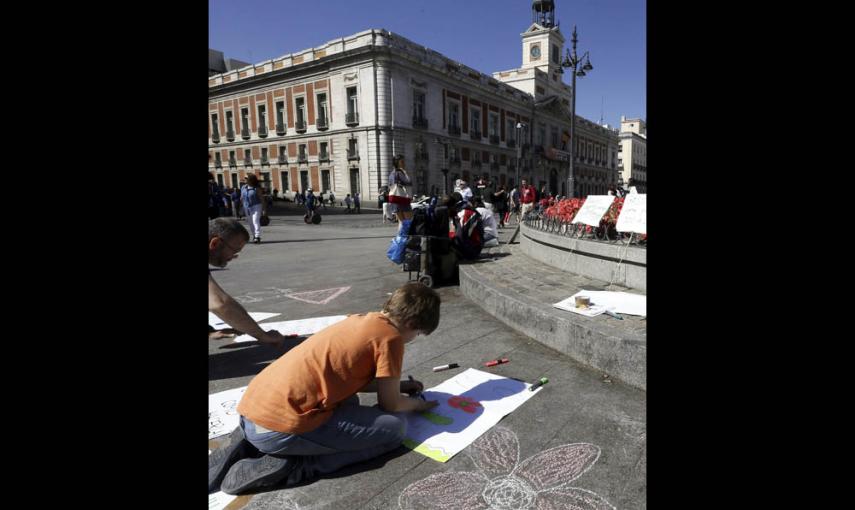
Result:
{"points": [[436, 418]]}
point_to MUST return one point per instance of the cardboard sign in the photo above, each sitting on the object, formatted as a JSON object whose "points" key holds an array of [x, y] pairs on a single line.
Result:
{"points": [[633, 214], [593, 210]]}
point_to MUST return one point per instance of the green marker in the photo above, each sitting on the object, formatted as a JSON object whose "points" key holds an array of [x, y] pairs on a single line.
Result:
{"points": [[538, 384]]}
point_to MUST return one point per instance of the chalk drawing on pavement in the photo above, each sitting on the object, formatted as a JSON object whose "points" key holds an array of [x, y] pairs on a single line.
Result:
{"points": [[257, 296], [502, 482], [318, 297]]}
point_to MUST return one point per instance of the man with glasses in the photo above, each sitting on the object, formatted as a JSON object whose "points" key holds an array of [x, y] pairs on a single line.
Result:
{"points": [[226, 238]]}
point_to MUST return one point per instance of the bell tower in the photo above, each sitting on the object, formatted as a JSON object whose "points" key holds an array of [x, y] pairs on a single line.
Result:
{"points": [[543, 44]]}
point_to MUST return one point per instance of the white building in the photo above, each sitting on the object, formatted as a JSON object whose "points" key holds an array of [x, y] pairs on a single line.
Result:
{"points": [[332, 117], [632, 158]]}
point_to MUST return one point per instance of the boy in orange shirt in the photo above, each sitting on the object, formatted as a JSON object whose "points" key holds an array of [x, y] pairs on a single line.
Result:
{"points": [[302, 412]]}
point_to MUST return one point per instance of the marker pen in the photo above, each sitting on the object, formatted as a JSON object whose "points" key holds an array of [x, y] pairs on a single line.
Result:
{"points": [[496, 362], [445, 367], [538, 384]]}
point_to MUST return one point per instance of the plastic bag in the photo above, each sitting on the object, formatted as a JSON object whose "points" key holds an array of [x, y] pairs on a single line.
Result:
{"points": [[395, 253]]}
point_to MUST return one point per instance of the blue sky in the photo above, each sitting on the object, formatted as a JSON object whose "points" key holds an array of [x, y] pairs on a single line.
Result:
{"points": [[483, 34]]}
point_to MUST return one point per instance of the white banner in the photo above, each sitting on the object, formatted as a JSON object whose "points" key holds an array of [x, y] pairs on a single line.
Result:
{"points": [[593, 209], [633, 214]]}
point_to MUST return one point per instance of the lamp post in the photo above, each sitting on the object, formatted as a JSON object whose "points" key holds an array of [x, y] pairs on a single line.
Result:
{"points": [[444, 169], [572, 62], [520, 126]]}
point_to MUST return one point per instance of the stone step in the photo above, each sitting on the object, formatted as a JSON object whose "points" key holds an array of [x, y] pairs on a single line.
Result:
{"points": [[520, 291]]}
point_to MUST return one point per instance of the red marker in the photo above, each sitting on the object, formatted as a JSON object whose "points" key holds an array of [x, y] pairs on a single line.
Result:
{"points": [[496, 362]]}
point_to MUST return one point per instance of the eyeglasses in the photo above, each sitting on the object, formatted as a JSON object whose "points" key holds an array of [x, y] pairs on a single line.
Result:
{"points": [[234, 250]]}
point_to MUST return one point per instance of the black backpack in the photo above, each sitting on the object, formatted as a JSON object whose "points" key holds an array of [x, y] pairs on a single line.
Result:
{"points": [[469, 234]]}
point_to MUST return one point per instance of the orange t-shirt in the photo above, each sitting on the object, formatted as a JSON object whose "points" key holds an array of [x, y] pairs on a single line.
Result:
{"points": [[299, 391]]}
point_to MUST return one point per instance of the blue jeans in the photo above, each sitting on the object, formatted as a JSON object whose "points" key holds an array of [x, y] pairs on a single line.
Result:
{"points": [[353, 434]]}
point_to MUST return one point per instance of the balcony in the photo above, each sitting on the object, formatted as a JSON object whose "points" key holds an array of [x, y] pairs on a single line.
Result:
{"points": [[324, 156], [282, 160], [454, 161], [262, 130], [300, 125], [247, 161], [218, 163], [420, 123], [232, 163], [454, 129], [494, 139], [476, 164], [280, 129], [230, 135], [421, 155], [351, 119], [352, 154], [511, 143], [475, 134], [322, 124], [265, 161], [244, 133], [215, 137]]}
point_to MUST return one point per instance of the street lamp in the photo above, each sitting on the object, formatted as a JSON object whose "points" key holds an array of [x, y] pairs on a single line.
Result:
{"points": [[520, 126], [572, 62]]}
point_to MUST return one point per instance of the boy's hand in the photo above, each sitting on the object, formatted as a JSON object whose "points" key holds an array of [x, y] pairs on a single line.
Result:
{"points": [[412, 387], [426, 406]]}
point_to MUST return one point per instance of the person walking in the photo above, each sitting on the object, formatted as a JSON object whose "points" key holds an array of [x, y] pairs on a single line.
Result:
{"points": [[400, 184], [254, 205]]}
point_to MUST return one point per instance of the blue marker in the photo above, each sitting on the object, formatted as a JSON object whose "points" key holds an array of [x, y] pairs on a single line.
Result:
{"points": [[612, 314]]}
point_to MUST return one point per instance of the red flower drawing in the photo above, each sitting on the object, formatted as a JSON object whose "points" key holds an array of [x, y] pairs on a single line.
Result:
{"points": [[464, 403]]}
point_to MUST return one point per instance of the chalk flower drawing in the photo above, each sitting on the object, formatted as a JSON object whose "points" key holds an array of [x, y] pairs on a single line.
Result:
{"points": [[464, 403], [540, 482]]}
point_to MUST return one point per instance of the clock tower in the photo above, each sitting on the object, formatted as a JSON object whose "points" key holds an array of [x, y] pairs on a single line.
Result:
{"points": [[542, 42]]}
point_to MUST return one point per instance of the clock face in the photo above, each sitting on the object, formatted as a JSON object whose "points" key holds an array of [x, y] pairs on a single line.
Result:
{"points": [[535, 51]]}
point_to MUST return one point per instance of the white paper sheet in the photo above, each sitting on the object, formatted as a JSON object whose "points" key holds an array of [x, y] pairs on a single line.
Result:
{"points": [[470, 403], [218, 324], [222, 413], [219, 500], [633, 214], [618, 302], [593, 210], [300, 327]]}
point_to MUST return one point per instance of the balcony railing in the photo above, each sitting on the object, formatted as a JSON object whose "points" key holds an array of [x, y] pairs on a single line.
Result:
{"points": [[230, 135], [511, 143], [282, 160], [232, 163], [352, 154], [218, 163], [494, 165], [280, 129], [215, 137], [302, 158], [247, 161], [300, 125], [476, 164], [422, 155], [351, 119], [262, 131], [321, 123], [324, 156], [244, 133], [494, 139], [454, 161], [265, 161], [474, 134], [454, 129], [420, 123]]}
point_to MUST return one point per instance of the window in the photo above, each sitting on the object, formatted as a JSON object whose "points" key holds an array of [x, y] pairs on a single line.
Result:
{"points": [[247, 154], [351, 145], [541, 134], [262, 115], [554, 136], [324, 154], [323, 113], [418, 104], [555, 55], [325, 180], [244, 120], [454, 114], [229, 124], [301, 111], [280, 114], [475, 121], [494, 124], [352, 100], [218, 162], [215, 126], [264, 154], [510, 130], [302, 152], [231, 158], [283, 153]]}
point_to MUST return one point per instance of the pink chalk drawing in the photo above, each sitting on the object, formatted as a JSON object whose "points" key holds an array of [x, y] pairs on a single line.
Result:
{"points": [[318, 297], [502, 482], [464, 403]]}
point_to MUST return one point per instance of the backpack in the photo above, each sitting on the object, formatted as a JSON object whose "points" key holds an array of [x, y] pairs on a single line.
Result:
{"points": [[469, 234]]}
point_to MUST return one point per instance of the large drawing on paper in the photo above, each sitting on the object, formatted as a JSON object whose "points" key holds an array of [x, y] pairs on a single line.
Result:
{"points": [[222, 413], [470, 403]]}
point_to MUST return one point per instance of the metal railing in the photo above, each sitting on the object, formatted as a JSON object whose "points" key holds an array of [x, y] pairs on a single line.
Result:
{"points": [[262, 131], [215, 137], [352, 154], [321, 123], [280, 129], [454, 130], [230, 135], [494, 139], [300, 125], [351, 119], [420, 122]]}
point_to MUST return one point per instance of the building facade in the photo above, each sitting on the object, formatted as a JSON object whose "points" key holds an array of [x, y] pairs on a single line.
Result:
{"points": [[332, 117], [632, 158]]}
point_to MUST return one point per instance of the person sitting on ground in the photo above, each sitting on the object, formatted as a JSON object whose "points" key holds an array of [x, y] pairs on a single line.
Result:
{"points": [[488, 219], [226, 238], [302, 412]]}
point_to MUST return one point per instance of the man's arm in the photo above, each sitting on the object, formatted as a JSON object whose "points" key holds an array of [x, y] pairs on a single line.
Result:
{"points": [[232, 313]]}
